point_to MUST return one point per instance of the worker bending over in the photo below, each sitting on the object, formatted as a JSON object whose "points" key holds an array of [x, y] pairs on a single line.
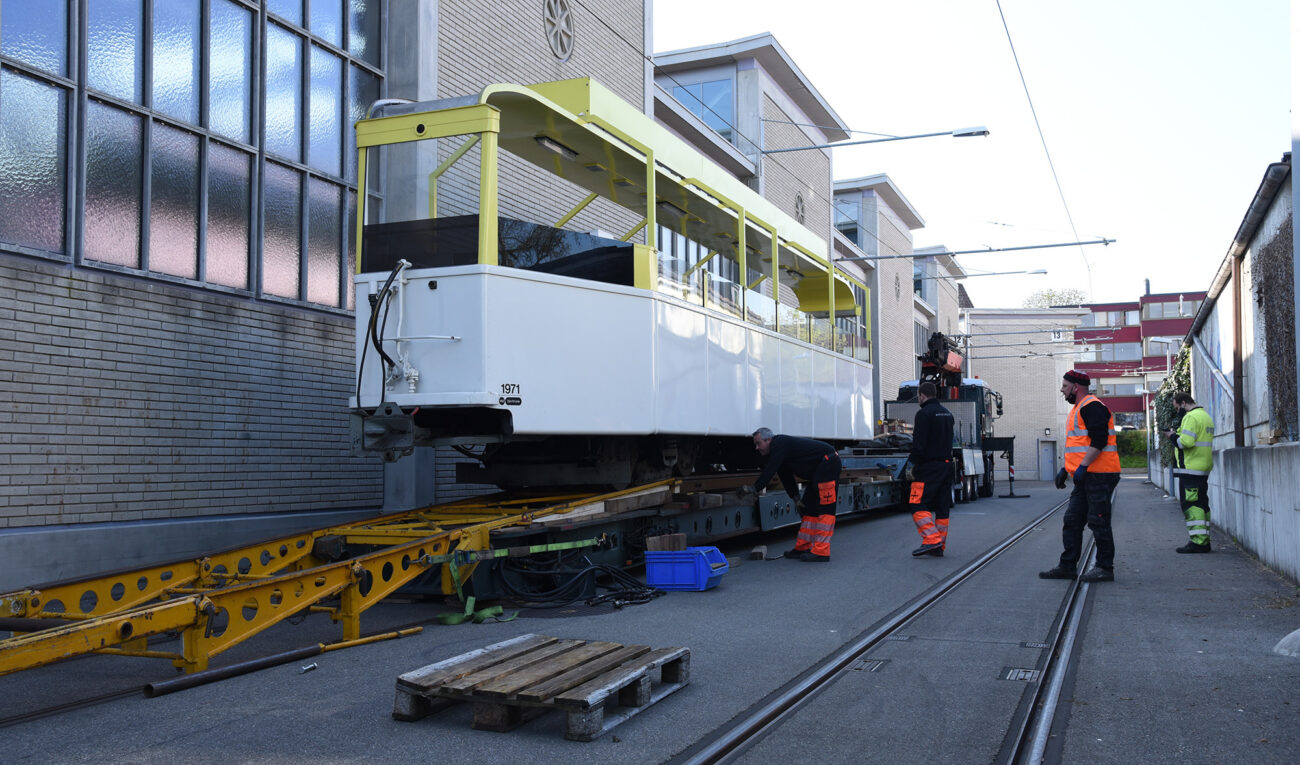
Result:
{"points": [[819, 466], [931, 494]]}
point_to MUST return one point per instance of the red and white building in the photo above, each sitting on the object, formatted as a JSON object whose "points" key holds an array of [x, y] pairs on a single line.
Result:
{"points": [[1127, 348]]}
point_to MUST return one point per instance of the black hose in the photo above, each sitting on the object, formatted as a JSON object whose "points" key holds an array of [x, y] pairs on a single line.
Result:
{"points": [[574, 582], [374, 338]]}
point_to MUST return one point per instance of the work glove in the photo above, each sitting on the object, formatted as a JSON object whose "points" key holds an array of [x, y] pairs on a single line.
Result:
{"points": [[1080, 475], [1061, 477], [798, 504]]}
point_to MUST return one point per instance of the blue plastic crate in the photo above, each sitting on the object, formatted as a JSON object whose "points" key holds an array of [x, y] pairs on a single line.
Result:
{"points": [[695, 568]]}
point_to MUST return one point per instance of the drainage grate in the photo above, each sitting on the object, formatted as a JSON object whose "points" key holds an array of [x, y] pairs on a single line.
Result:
{"points": [[868, 665], [899, 638], [1032, 644], [1017, 673]]}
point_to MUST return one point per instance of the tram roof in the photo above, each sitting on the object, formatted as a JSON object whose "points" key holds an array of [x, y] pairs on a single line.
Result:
{"points": [[599, 142]]}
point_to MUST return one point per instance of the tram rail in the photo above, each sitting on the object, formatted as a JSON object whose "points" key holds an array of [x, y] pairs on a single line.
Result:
{"points": [[1030, 727]]}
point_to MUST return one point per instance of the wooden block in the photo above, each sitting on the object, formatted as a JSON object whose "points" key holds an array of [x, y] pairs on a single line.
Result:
{"points": [[584, 724], [678, 670], [503, 717], [704, 500], [409, 706], [543, 671], [579, 675], [635, 693], [425, 678], [639, 501], [501, 669], [594, 692]]}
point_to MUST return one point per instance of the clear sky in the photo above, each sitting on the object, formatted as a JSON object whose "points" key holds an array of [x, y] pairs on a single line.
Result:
{"points": [[1160, 117]]}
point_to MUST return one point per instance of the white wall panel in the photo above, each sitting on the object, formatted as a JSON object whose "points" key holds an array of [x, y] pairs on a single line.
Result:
{"points": [[796, 388], [681, 368], [566, 356], [728, 382]]}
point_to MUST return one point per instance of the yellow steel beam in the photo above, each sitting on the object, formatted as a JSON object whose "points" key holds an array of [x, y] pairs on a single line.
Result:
{"points": [[403, 128], [214, 620], [576, 209], [36, 649], [444, 167]]}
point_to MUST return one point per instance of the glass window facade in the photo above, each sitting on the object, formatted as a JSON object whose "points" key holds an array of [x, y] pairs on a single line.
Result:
{"points": [[714, 102], [1174, 309], [216, 137]]}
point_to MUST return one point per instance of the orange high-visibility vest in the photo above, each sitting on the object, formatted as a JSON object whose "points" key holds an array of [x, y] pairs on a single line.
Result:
{"points": [[1077, 442]]}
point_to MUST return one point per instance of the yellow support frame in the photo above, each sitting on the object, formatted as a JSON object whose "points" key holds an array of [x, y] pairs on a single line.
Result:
{"points": [[215, 610]]}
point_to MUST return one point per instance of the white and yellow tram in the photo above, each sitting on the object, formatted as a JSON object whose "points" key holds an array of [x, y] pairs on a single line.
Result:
{"points": [[559, 355]]}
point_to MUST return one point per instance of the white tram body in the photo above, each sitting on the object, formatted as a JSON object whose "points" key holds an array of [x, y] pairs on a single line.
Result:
{"points": [[481, 331], [571, 356]]}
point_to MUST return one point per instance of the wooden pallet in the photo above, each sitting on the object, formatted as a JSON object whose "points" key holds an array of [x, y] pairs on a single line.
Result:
{"points": [[514, 681]]}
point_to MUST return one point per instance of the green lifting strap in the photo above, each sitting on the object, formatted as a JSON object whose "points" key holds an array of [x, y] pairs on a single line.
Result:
{"points": [[479, 616]]}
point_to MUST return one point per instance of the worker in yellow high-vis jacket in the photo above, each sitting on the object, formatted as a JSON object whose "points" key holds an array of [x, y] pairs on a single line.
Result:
{"points": [[1194, 459]]}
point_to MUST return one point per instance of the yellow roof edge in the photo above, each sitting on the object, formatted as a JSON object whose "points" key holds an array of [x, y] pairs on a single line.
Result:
{"points": [[589, 101]]}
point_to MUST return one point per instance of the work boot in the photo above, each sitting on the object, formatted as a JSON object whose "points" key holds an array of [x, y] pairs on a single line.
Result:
{"points": [[1192, 547], [1098, 574], [935, 549], [793, 553], [812, 557], [1060, 572]]}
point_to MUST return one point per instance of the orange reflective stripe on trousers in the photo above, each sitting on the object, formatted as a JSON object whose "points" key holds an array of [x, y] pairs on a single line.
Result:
{"points": [[930, 534], [815, 533]]}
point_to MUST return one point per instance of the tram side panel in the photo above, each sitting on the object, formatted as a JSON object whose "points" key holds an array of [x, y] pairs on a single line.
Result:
{"points": [[568, 356]]}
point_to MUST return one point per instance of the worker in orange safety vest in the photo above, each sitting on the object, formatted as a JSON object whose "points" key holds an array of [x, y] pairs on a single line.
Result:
{"points": [[1092, 463]]}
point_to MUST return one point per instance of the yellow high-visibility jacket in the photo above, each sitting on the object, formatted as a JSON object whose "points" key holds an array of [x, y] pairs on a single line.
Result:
{"points": [[1194, 438]]}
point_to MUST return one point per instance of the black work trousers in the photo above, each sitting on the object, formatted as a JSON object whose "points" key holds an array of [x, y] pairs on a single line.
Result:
{"points": [[819, 494], [1090, 504]]}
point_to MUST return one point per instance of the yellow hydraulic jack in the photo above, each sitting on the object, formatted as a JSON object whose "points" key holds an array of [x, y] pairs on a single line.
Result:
{"points": [[221, 600]]}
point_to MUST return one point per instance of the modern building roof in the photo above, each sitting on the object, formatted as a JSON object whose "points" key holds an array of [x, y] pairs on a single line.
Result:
{"points": [[885, 187], [775, 61]]}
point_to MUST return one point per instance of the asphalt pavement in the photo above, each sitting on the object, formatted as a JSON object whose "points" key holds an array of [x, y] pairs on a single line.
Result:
{"points": [[1175, 662]]}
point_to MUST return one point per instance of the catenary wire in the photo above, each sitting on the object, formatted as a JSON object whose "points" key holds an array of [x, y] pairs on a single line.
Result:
{"points": [[1043, 139]]}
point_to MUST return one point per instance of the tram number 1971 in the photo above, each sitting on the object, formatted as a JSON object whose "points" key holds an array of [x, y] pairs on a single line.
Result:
{"points": [[510, 389]]}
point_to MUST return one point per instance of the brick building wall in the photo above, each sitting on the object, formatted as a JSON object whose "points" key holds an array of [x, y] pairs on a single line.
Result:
{"points": [[1030, 386], [895, 356], [794, 173], [509, 44], [128, 399]]}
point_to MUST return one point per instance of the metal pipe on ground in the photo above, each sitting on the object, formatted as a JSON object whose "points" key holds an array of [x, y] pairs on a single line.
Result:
{"points": [[164, 687]]}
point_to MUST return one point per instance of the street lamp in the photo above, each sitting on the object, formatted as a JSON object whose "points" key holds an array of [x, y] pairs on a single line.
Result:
{"points": [[1167, 342], [1103, 241], [970, 132]]}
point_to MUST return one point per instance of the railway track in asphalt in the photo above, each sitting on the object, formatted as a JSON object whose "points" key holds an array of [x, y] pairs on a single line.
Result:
{"points": [[1030, 728]]}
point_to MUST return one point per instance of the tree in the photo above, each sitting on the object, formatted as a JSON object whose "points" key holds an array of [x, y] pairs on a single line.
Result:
{"points": [[1046, 298]]}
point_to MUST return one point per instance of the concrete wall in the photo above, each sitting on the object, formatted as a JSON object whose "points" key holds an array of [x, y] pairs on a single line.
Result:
{"points": [[1253, 498]]}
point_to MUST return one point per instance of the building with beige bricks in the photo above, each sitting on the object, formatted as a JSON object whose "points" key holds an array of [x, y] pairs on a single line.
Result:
{"points": [[874, 216], [1022, 353], [176, 227]]}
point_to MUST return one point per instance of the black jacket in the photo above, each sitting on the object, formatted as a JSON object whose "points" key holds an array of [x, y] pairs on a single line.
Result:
{"points": [[792, 456], [932, 433]]}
